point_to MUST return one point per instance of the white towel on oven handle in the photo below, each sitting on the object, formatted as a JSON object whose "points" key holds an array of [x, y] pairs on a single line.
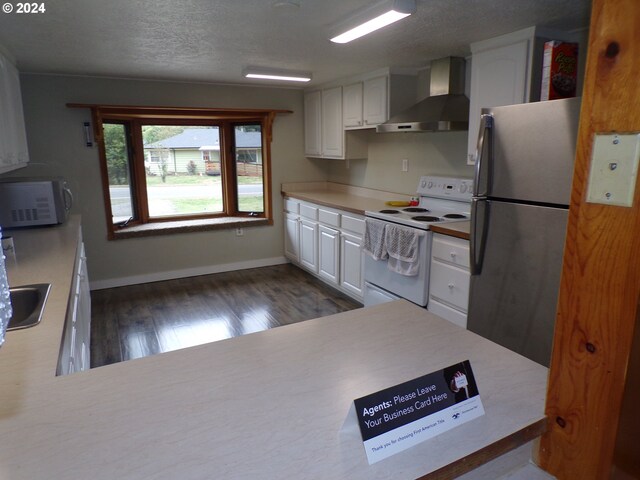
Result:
{"points": [[402, 247], [373, 243]]}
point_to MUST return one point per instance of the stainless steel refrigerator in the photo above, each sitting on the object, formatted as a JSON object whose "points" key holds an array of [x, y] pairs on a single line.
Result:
{"points": [[524, 168]]}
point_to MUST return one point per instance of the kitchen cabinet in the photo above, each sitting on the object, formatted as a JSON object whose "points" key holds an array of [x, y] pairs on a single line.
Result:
{"points": [[332, 135], [75, 349], [328, 254], [506, 70], [326, 243], [352, 105], [292, 230], [375, 101], [13, 138], [312, 124], [365, 104], [449, 279]]}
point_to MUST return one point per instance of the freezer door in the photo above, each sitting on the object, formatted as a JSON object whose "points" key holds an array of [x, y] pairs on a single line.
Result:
{"points": [[534, 147], [513, 299]]}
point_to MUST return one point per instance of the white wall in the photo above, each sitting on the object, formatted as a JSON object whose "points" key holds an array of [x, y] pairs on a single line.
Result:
{"points": [[56, 145], [442, 153]]}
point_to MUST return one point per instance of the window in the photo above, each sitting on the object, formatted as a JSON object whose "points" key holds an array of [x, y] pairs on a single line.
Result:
{"points": [[167, 170]]}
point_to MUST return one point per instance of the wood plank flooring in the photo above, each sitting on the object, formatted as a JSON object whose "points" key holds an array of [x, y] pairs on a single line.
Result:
{"points": [[140, 320]]}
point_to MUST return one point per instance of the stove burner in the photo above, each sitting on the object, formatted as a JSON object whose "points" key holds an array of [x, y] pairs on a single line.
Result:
{"points": [[415, 210], [426, 218], [389, 211], [454, 215]]}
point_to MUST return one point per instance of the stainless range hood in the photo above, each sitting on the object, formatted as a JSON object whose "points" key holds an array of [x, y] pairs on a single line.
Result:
{"points": [[445, 110]]}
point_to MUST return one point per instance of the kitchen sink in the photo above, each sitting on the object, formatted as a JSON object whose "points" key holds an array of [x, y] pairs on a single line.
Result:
{"points": [[27, 302]]}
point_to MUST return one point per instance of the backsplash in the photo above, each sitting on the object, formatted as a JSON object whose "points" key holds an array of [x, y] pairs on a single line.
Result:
{"points": [[441, 154]]}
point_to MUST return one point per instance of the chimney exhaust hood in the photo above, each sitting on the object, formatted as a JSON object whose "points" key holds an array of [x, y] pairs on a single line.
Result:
{"points": [[446, 108]]}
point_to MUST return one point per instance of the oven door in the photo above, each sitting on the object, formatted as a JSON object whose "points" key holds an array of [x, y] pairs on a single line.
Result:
{"points": [[414, 288]]}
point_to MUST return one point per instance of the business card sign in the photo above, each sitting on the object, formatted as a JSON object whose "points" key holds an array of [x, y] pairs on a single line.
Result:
{"points": [[404, 415]]}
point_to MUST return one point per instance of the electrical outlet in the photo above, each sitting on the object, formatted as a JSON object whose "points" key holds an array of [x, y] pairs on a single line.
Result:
{"points": [[614, 167], [239, 232], [405, 164]]}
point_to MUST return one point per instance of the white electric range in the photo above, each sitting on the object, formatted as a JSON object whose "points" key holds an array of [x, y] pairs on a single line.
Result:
{"points": [[440, 200]]}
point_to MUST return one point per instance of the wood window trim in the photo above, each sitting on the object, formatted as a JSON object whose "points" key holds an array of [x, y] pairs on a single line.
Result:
{"points": [[185, 115]]}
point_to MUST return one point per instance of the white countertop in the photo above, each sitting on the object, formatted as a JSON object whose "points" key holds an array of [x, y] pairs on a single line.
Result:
{"points": [[266, 405]]}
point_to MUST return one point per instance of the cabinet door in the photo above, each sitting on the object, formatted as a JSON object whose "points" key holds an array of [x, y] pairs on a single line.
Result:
{"points": [[328, 254], [351, 277], [332, 130], [13, 139], [352, 105], [291, 237], [375, 103], [312, 124], [309, 245], [498, 77]]}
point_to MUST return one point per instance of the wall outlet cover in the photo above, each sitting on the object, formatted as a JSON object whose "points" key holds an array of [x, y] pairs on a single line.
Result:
{"points": [[614, 168]]}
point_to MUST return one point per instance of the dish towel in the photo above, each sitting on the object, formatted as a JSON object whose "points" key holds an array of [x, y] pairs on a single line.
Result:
{"points": [[374, 244], [402, 247]]}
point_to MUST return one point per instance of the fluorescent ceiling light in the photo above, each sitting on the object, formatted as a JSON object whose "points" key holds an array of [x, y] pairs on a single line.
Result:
{"points": [[271, 74], [375, 17]]}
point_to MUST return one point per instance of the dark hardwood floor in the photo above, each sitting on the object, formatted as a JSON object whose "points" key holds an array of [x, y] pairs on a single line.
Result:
{"points": [[140, 320]]}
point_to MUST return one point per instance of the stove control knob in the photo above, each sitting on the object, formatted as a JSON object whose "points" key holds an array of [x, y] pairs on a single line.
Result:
{"points": [[430, 185], [423, 183], [462, 188]]}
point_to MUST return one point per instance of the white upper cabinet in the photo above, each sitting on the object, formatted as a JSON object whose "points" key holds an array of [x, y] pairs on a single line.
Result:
{"points": [[352, 105], [375, 101], [506, 70], [332, 131], [312, 124], [13, 137]]}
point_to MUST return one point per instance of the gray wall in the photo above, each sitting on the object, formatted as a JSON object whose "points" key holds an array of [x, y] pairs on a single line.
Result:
{"points": [[442, 153], [56, 145]]}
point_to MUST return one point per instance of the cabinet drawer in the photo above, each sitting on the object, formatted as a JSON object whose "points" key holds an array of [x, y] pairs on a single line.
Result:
{"points": [[353, 224], [449, 285], [451, 250], [291, 206], [308, 211], [329, 218]]}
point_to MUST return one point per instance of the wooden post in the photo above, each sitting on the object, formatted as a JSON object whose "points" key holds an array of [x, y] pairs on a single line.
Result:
{"points": [[600, 286]]}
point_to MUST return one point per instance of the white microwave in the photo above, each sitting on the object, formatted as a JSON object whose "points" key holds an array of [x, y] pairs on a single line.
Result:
{"points": [[30, 202]]}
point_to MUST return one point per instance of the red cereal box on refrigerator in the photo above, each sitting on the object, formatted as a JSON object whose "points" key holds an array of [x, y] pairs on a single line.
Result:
{"points": [[559, 70]]}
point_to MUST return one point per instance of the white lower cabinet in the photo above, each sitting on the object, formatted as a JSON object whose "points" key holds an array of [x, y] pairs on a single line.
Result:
{"points": [[75, 350], [329, 254], [309, 245], [449, 279], [327, 242], [351, 275]]}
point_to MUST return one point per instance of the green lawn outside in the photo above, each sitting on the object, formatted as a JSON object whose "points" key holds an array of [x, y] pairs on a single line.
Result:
{"points": [[174, 180]]}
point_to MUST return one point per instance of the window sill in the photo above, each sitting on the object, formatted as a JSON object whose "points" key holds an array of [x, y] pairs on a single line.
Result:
{"points": [[187, 226]]}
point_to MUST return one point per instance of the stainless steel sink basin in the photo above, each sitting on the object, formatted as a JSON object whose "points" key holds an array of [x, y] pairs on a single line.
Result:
{"points": [[27, 302]]}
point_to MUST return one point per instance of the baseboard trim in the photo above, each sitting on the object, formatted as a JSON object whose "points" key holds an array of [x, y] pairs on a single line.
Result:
{"points": [[187, 272]]}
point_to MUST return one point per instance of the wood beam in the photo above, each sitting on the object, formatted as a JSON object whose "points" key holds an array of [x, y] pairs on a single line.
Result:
{"points": [[600, 286]]}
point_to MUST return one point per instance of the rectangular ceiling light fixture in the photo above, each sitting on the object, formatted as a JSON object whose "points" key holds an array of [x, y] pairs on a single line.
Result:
{"points": [[375, 17], [273, 74]]}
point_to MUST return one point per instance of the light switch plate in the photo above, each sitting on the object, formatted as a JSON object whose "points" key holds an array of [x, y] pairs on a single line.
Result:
{"points": [[614, 168]]}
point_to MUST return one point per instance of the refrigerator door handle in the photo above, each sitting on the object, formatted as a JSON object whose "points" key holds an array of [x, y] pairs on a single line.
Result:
{"points": [[483, 167], [478, 233]]}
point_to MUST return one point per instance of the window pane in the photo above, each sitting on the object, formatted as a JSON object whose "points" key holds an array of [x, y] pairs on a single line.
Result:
{"points": [[249, 174], [119, 171], [182, 165]]}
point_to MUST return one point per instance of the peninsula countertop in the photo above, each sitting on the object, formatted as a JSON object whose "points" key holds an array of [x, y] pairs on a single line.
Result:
{"points": [[271, 404]]}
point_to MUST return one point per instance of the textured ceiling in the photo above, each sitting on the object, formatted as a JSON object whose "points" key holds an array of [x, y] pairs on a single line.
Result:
{"points": [[213, 40]]}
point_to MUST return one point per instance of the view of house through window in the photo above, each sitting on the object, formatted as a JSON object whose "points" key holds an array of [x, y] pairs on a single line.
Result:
{"points": [[161, 171]]}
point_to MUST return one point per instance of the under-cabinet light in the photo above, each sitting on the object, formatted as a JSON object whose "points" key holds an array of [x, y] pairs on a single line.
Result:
{"points": [[269, 74], [377, 16]]}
